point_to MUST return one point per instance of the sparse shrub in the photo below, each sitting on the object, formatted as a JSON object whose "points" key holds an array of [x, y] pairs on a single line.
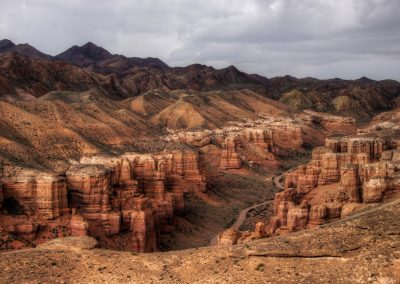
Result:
{"points": [[260, 267]]}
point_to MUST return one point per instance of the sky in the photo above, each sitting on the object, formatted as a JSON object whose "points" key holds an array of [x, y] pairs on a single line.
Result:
{"points": [[322, 39]]}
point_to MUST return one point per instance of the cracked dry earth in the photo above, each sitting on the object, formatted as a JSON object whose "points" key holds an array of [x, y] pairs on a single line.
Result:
{"points": [[365, 248]]}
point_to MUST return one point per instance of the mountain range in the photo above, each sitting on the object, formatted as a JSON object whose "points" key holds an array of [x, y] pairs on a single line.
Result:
{"points": [[26, 72]]}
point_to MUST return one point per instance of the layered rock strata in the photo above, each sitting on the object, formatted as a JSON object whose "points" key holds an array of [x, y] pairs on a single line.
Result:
{"points": [[41, 193], [251, 142], [261, 141], [346, 174], [230, 158], [79, 226], [133, 194]]}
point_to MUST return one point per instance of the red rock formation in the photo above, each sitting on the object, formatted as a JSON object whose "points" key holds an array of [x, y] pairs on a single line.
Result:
{"points": [[142, 226], [182, 174], [297, 217], [288, 136], [260, 137], [42, 193], [258, 141], [90, 187], [340, 175], [373, 189], [79, 226], [350, 182], [228, 237], [92, 192], [143, 193], [230, 159], [318, 215], [233, 236], [355, 145]]}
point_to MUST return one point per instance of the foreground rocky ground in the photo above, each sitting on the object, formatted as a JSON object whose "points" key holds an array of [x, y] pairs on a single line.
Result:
{"points": [[364, 248]]}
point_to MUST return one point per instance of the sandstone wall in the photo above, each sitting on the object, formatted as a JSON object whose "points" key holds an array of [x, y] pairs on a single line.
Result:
{"points": [[39, 193], [346, 174], [109, 197], [250, 141], [230, 158]]}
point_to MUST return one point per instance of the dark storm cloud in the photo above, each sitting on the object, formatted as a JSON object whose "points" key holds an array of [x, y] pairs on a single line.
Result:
{"points": [[337, 38]]}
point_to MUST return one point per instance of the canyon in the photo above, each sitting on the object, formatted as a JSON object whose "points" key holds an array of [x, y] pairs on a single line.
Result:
{"points": [[349, 173], [107, 157]]}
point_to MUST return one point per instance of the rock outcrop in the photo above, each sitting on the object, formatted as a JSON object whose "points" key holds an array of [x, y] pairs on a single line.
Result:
{"points": [[261, 142], [346, 174], [232, 236], [228, 237], [138, 193], [110, 197], [249, 143], [42, 193], [332, 123], [230, 158], [79, 226]]}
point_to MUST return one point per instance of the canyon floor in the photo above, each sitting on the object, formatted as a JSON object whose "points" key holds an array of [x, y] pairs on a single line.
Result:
{"points": [[232, 191], [204, 218]]}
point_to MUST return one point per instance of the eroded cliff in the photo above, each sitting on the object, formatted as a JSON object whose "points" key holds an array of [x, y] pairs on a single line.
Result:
{"points": [[125, 201]]}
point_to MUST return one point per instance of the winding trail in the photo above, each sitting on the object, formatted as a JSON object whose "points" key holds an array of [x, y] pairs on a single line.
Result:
{"points": [[279, 184], [240, 219], [242, 215]]}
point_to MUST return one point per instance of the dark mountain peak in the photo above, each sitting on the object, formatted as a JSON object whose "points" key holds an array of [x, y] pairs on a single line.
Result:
{"points": [[290, 78], [90, 44], [7, 41], [364, 79], [197, 66], [84, 55], [25, 47], [232, 68], [27, 50], [154, 61], [6, 44], [95, 52], [148, 62]]}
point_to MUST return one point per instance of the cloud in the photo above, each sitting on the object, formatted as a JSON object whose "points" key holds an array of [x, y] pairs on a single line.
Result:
{"points": [[330, 38]]}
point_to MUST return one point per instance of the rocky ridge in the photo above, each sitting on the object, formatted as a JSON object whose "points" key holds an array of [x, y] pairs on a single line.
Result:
{"points": [[125, 77]]}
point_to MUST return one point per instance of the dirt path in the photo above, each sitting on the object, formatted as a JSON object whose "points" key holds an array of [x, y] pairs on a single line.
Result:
{"points": [[279, 184], [240, 219], [242, 215]]}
